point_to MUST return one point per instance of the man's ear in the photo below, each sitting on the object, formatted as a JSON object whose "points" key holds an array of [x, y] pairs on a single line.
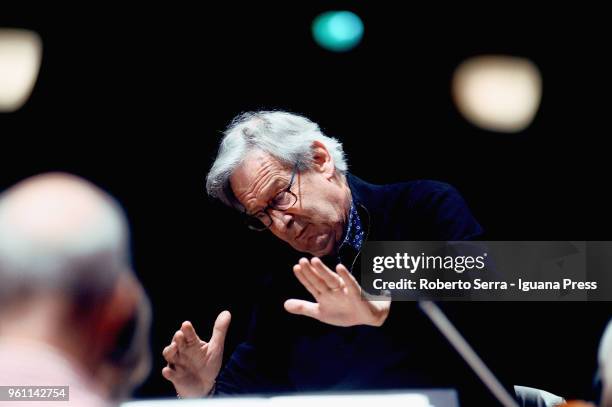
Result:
{"points": [[118, 310], [322, 160]]}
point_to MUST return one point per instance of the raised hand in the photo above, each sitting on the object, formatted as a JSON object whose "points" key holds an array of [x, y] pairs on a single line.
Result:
{"points": [[338, 296]]}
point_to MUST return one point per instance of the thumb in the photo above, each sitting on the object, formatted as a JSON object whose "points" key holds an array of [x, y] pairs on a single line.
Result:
{"points": [[220, 328], [301, 307]]}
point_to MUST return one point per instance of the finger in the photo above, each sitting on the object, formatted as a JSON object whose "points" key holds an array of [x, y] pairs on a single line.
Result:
{"points": [[169, 374], [348, 278], [175, 335], [179, 338], [189, 333], [331, 279], [300, 307], [297, 270], [220, 328], [169, 352], [309, 274]]}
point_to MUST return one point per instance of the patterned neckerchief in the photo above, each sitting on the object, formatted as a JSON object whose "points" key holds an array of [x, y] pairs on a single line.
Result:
{"points": [[354, 234]]}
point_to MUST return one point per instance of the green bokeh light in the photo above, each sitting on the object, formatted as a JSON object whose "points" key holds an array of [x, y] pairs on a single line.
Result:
{"points": [[337, 30]]}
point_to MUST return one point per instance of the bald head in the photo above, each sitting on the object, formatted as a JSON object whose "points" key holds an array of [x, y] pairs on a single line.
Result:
{"points": [[58, 231], [66, 279]]}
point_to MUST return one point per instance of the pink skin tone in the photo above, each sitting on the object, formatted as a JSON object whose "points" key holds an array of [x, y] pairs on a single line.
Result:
{"points": [[316, 222]]}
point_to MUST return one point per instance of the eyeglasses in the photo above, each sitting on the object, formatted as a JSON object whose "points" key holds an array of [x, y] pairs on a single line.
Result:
{"points": [[284, 200]]}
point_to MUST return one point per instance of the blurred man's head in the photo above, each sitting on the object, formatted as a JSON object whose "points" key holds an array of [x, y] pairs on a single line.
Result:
{"points": [[281, 169], [605, 366], [66, 280]]}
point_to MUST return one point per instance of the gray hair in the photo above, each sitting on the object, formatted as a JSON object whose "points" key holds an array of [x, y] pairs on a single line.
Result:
{"points": [[286, 136]]}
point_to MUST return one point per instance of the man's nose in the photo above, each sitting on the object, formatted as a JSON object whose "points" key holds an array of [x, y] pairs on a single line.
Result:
{"points": [[282, 220]]}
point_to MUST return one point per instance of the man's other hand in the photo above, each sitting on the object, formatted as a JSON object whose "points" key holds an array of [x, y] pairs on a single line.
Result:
{"points": [[193, 364]]}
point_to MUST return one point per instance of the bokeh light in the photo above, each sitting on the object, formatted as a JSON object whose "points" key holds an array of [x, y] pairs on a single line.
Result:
{"points": [[20, 55], [337, 31], [498, 93]]}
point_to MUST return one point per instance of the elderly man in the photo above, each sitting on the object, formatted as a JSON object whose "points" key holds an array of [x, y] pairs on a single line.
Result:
{"points": [[287, 177], [72, 313]]}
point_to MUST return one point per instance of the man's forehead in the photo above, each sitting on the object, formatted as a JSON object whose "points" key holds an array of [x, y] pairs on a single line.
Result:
{"points": [[256, 164]]}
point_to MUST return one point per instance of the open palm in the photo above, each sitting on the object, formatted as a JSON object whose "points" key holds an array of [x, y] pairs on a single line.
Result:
{"points": [[338, 296]]}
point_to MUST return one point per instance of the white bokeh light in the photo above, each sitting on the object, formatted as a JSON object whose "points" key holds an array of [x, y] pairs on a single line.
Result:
{"points": [[20, 55], [498, 93]]}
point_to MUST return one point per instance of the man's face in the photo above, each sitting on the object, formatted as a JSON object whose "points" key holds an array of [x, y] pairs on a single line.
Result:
{"points": [[316, 222]]}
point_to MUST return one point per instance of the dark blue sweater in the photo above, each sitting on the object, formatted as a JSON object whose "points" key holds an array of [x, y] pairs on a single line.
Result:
{"points": [[290, 353]]}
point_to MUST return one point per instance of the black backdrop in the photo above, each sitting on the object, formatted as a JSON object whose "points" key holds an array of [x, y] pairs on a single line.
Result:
{"points": [[135, 100]]}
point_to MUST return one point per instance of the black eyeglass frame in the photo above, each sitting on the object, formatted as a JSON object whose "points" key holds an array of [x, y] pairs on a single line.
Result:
{"points": [[253, 220]]}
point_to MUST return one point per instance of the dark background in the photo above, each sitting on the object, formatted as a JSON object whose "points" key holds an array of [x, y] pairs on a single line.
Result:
{"points": [[136, 101]]}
